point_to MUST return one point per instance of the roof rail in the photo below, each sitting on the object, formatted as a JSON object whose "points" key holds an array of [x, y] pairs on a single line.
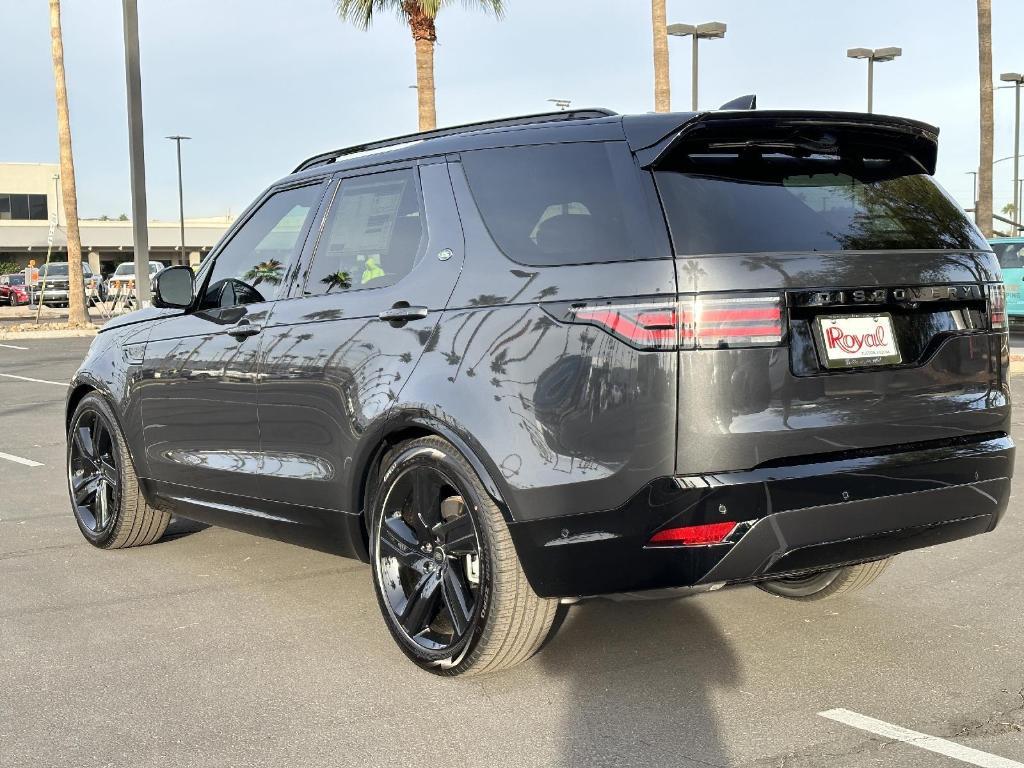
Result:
{"points": [[506, 122]]}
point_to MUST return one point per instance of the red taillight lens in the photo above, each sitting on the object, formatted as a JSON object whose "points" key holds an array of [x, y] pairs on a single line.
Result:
{"points": [[692, 322], [693, 535], [997, 306], [652, 325], [742, 321]]}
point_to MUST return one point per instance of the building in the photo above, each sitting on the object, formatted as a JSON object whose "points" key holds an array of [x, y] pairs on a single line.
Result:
{"points": [[29, 196]]}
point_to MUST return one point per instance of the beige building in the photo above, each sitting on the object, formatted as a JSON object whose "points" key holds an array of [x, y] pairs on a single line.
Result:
{"points": [[29, 198]]}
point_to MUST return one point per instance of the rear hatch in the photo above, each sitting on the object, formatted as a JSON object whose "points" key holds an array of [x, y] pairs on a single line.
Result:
{"points": [[835, 299]]}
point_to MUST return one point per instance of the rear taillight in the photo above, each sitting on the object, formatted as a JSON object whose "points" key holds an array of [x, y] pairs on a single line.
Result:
{"points": [[997, 306], [693, 322], [653, 325], [740, 321], [692, 535]]}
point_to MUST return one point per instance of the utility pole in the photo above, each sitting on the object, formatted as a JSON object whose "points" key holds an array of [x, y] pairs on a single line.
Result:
{"points": [[1015, 78], [136, 151], [181, 199]]}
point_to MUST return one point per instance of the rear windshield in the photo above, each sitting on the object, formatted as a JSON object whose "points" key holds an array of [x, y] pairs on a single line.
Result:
{"points": [[563, 203], [772, 201], [1010, 255]]}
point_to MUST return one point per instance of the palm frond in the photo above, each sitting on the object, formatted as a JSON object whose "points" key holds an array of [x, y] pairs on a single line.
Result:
{"points": [[361, 12]]}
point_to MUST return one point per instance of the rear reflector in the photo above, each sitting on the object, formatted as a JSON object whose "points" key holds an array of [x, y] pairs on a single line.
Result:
{"points": [[693, 535], [693, 322], [997, 306]]}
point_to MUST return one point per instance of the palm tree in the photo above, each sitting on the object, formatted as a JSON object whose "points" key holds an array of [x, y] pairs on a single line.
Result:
{"points": [[662, 93], [983, 212], [76, 294], [265, 272], [420, 15]]}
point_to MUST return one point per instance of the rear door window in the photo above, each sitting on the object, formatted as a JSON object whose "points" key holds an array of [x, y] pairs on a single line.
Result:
{"points": [[765, 200], [558, 204]]}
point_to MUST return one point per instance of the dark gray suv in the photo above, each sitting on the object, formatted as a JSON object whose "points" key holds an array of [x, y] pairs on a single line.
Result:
{"points": [[516, 363]]}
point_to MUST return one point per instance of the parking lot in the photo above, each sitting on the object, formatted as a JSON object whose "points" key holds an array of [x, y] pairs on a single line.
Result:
{"points": [[217, 648]]}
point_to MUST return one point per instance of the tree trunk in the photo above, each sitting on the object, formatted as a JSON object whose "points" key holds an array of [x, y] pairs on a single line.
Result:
{"points": [[424, 35], [662, 92], [77, 314], [983, 213]]}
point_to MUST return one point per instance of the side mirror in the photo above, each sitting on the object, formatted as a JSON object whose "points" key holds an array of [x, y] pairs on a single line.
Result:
{"points": [[172, 287]]}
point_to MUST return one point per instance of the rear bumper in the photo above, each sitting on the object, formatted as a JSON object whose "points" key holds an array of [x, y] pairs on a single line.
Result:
{"points": [[848, 508]]}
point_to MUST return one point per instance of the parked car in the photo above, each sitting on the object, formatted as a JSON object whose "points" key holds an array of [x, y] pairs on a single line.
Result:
{"points": [[13, 290], [54, 284], [122, 282], [515, 364], [1010, 252]]}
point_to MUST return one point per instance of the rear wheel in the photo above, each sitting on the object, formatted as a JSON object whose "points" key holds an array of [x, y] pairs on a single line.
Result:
{"points": [[827, 585], [109, 507], [446, 574]]}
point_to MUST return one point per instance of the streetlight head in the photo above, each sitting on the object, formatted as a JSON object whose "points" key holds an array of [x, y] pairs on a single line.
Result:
{"points": [[178, 138], [1012, 77], [681, 30], [711, 30], [859, 53], [887, 54]]}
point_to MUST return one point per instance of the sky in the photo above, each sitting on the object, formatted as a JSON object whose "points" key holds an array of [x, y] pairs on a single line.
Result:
{"points": [[262, 84]]}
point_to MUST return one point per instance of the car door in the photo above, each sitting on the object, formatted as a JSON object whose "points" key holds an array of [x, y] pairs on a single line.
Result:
{"points": [[337, 352], [198, 399]]}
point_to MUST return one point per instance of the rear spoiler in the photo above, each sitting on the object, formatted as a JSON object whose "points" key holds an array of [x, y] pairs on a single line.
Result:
{"points": [[652, 138]]}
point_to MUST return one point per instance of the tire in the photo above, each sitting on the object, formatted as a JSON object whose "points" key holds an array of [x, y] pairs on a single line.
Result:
{"points": [[114, 514], [504, 621], [827, 585]]}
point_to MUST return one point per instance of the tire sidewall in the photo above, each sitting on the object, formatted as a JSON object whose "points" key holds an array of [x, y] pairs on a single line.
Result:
{"points": [[96, 404], [420, 453]]}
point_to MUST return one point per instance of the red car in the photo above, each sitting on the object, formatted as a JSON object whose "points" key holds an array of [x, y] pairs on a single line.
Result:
{"points": [[13, 290]]}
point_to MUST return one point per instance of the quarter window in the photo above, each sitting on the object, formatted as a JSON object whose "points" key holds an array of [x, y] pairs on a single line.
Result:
{"points": [[562, 203], [372, 235], [252, 266]]}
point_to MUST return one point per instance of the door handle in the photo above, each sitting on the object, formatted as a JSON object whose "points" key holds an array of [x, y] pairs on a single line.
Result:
{"points": [[244, 330], [402, 312]]}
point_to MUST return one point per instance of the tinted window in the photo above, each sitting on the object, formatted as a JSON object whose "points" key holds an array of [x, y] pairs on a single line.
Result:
{"points": [[1010, 255], [561, 203], [372, 235], [252, 266], [767, 201]]}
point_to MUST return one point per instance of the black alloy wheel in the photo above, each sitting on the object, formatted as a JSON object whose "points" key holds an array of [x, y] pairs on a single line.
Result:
{"points": [[428, 559], [93, 475]]}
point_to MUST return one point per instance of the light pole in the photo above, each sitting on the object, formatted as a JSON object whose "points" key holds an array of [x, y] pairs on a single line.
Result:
{"points": [[136, 151], [873, 55], [1015, 78], [711, 30], [181, 199], [974, 199]]}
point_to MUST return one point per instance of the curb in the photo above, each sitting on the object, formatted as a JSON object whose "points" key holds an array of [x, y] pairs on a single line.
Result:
{"points": [[51, 334]]}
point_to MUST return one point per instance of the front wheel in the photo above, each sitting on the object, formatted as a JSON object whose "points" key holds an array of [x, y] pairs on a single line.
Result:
{"points": [[827, 585], [445, 571], [108, 505]]}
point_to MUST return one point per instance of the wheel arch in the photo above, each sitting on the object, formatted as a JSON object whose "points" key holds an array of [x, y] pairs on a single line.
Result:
{"points": [[403, 427]]}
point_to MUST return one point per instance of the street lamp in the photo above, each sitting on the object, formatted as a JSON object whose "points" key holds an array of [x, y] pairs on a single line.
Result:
{"points": [[1016, 79], [562, 104], [181, 199], [711, 30], [974, 200], [873, 55]]}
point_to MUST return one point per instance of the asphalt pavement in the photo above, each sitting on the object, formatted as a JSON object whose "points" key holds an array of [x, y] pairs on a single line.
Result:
{"points": [[214, 648]]}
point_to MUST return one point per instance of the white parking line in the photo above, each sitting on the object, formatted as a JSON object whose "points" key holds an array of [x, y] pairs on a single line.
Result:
{"points": [[918, 739], [12, 346], [36, 381], [19, 460]]}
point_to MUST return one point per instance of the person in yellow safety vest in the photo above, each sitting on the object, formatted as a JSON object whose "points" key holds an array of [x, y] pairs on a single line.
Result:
{"points": [[371, 270]]}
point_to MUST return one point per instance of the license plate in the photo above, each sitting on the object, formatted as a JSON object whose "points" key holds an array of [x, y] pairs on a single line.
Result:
{"points": [[853, 341]]}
